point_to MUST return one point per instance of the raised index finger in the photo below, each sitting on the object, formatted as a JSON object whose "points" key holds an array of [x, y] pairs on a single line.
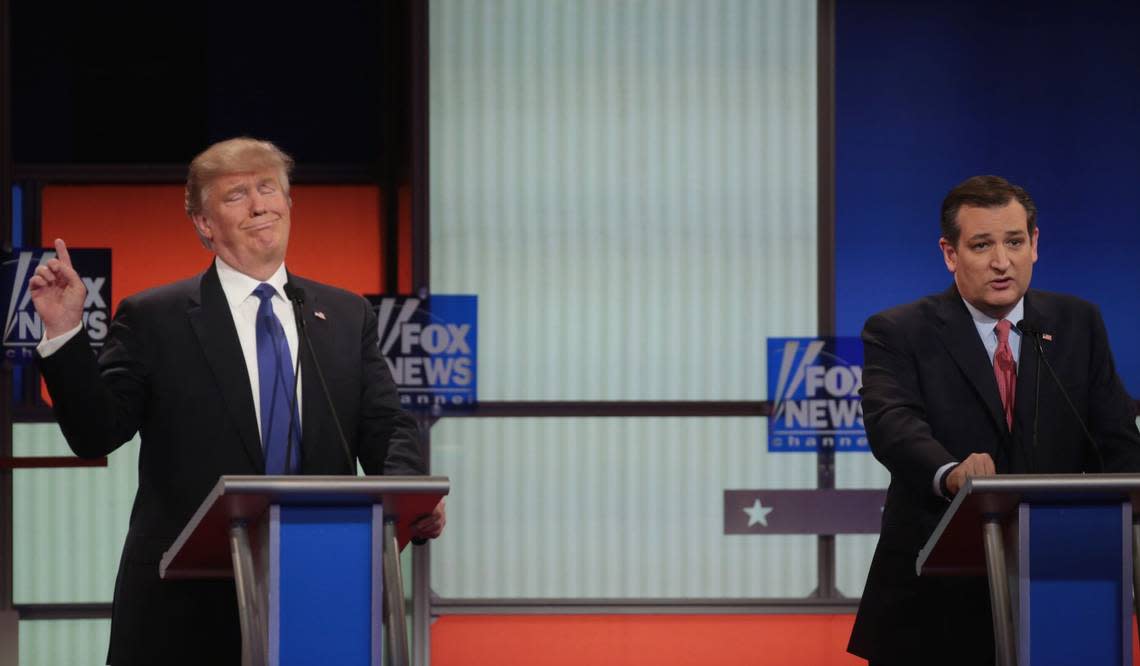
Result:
{"points": [[61, 252]]}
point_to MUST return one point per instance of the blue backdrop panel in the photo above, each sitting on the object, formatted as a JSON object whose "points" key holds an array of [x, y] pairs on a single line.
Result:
{"points": [[326, 585], [1079, 579], [1046, 94]]}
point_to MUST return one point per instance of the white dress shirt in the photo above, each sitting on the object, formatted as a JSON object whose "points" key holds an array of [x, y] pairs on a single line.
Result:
{"points": [[238, 288]]}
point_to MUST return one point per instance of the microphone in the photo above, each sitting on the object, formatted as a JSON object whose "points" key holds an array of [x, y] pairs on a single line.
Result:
{"points": [[1027, 329], [297, 296], [297, 299], [1033, 330]]}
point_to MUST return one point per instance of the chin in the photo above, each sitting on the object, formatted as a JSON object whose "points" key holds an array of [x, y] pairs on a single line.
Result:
{"points": [[270, 247], [1004, 305]]}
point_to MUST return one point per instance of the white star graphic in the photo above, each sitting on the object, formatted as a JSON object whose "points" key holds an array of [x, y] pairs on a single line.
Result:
{"points": [[757, 513]]}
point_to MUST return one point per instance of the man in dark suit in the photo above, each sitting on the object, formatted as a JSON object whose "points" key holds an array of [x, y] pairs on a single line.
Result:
{"points": [[949, 392], [183, 366]]}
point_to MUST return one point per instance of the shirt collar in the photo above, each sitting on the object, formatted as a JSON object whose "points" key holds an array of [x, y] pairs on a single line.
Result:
{"points": [[985, 323], [238, 286]]}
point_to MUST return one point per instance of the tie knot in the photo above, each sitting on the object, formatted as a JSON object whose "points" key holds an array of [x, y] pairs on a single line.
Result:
{"points": [[1002, 329], [264, 291]]}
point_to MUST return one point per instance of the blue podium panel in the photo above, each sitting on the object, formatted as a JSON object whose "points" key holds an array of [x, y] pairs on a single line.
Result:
{"points": [[328, 586], [311, 573], [1075, 584]]}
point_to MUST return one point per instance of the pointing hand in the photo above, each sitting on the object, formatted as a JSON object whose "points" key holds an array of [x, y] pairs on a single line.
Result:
{"points": [[58, 293]]}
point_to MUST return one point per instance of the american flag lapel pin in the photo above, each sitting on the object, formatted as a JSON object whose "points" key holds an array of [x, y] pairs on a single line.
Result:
{"points": [[1047, 337], [319, 315]]}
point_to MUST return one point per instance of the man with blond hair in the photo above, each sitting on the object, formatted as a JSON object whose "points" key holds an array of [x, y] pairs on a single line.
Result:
{"points": [[203, 370]]}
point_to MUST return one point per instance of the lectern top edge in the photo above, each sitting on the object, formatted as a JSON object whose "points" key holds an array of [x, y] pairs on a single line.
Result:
{"points": [[305, 485], [1053, 483]]}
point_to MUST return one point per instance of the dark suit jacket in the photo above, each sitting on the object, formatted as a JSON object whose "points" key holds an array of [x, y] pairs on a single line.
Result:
{"points": [[173, 371], [930, 398]]}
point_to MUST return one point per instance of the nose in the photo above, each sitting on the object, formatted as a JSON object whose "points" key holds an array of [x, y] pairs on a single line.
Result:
{"points": [[1000, 258], [257, 204]]}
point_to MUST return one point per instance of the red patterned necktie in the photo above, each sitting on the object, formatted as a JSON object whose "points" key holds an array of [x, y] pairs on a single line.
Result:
{"points": [[1005, 371]]}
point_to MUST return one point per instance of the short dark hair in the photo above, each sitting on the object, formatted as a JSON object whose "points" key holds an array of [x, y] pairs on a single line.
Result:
{"points": [[983, 192]]}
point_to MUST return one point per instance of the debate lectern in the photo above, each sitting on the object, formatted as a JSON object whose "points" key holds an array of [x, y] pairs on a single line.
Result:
{"points": [[315, 560], [1058, 551]]}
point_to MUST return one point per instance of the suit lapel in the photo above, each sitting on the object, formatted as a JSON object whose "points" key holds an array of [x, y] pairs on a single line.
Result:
{"points": [[213, 323], [1027, 367], [961, 339], [312, 404]]}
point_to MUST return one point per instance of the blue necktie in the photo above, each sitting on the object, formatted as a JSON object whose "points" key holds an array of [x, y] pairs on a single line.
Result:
{"points": [[275, 380]]}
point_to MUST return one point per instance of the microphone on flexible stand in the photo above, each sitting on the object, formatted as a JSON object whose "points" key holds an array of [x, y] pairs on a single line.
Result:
{"points": [[1031, 458], [297, 296], [1033, 330], [293, 416]]}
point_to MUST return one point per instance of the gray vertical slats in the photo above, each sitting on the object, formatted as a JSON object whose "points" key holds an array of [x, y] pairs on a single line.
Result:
{"points": [[630, 189]]}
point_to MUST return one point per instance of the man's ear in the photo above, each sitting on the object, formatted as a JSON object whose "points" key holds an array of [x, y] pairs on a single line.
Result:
{"points": [[949, 254], [203, 226]]}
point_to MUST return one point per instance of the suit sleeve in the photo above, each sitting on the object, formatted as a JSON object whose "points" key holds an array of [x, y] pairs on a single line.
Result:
{"points": [[99, 403], [894, 409], [1111, 411], [388, 437]]}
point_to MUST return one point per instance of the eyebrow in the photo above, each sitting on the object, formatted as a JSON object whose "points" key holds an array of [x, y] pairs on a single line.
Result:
{"points": [[985, 235], [243, 188]]}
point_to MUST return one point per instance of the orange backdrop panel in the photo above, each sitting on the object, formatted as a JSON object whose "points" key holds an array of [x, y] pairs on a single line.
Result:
{"points": [[648, 640], [642, 640], [335, 238]]}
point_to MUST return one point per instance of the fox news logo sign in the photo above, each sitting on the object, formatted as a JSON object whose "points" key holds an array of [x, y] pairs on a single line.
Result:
{"points": [[430, 347], [23, 327], [814, 387]]}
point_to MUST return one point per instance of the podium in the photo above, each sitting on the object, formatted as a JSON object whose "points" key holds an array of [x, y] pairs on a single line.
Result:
{"points": [[1058, 551], [315, 560]]}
